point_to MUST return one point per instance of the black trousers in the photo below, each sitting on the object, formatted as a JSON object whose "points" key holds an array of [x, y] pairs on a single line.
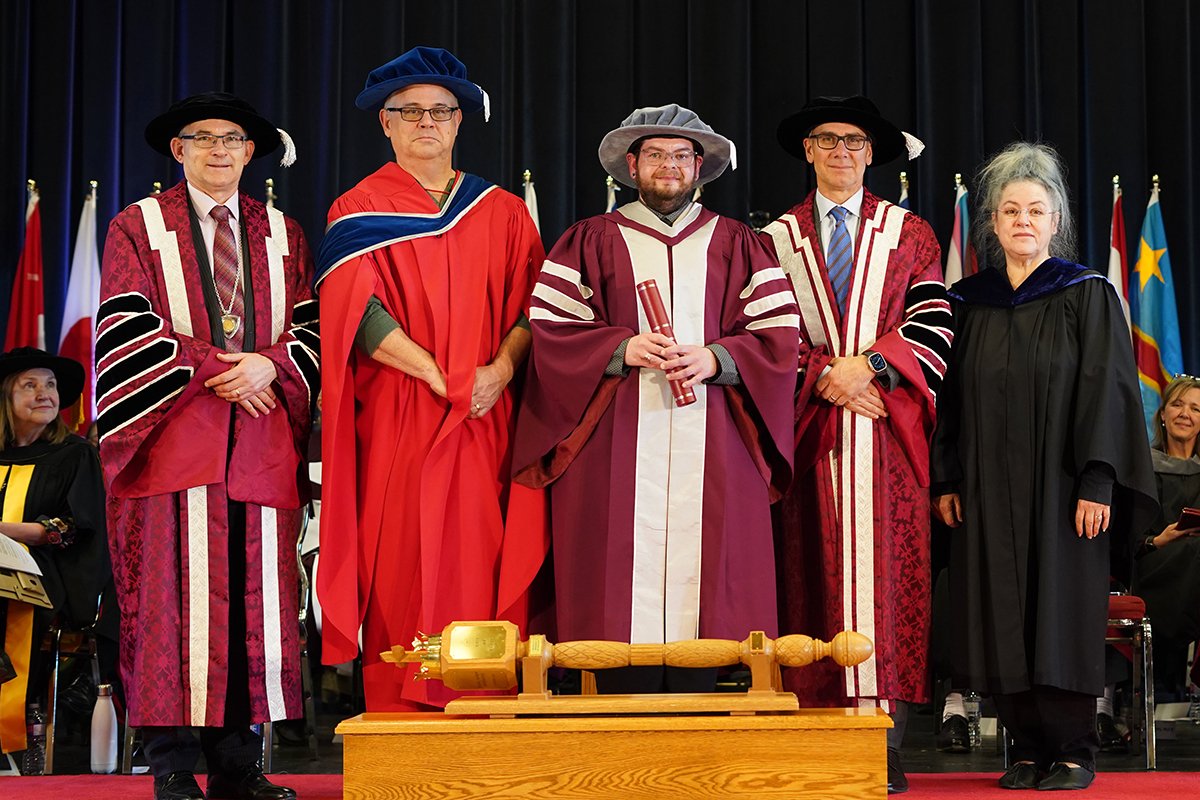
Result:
{"points": [[234, 745], [1049, 724]]}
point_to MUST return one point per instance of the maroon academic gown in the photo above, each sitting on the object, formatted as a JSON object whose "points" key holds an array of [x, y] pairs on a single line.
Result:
{"points": [[175, 456], [853, 531], [660, 515], [419, 527]]}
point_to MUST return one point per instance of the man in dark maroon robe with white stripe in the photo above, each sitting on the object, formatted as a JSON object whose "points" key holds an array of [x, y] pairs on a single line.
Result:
{"points": [[207, 367], [875, 334], [660, 513]]}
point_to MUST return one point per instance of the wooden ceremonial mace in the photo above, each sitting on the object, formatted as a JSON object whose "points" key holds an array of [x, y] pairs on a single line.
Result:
{"points": [[488, 655]]}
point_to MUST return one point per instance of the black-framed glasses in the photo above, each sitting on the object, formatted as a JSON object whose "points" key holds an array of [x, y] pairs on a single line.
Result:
{"points": [[828, 141], [680, 158], [415, 113], [207, 141]]}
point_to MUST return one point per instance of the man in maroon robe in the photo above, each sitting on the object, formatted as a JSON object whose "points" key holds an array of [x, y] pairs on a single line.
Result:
{"points": [[853, 531], [660, 513], [424, 274], [207, 367]]}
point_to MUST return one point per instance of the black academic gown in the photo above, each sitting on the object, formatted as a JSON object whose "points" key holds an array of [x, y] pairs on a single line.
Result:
{"points": [[1040, 406], [66, 482], [1168, 579]]}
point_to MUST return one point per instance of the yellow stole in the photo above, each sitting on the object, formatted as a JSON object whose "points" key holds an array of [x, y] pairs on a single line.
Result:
{"points": [[18, 633]]}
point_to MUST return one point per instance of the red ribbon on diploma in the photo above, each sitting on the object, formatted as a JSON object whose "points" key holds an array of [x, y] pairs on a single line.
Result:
{"points": [[656, 315]]}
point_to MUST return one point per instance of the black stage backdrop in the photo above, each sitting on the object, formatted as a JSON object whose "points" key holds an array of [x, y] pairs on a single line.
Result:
{"points": [[1111, 83]]}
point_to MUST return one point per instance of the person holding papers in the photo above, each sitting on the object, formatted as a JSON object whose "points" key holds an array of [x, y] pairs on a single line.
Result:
{"points": [[52, 498]]}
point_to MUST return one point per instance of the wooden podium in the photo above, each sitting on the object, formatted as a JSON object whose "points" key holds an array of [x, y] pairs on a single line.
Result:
{"points": [[756, 743], [809, 753]]}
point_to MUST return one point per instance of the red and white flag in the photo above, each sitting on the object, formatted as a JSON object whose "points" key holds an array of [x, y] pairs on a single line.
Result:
{"points": [[27, 311], [79, 314], [1118, 261]]}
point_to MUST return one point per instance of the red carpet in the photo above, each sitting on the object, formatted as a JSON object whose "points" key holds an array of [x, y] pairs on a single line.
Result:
{"points": [[957, 785], [141, 787], [1108, 786]]}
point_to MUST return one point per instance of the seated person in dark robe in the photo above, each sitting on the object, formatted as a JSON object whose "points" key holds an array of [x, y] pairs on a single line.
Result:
{"points": [[1167, 567], [52, 498]]}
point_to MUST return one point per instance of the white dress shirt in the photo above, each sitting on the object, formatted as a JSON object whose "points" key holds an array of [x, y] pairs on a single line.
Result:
{"points": [[827, 221]]}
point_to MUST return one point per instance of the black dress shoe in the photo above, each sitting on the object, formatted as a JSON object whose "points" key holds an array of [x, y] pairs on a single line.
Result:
{"points": [[1111, 740], [177, 786], [955, 735], [1063, 777], [1023, 775], [247, 784], [897, 780]]}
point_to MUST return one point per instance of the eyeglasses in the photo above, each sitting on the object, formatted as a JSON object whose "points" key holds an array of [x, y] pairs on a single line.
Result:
{"points": [[1036, 214], [207, 141], [415, 113], [829, 141], [681, 158]]}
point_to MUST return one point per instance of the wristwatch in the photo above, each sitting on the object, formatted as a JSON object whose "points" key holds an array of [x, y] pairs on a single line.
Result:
{"points": [[878, 362]]}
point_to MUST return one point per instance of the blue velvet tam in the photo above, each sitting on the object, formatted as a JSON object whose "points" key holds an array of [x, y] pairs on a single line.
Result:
{"points": [[419, 65]]}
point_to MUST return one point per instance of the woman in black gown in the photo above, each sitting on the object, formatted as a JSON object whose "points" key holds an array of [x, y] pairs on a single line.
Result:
{"points": [[1167, 567], [52, 499], [1040, 460]]}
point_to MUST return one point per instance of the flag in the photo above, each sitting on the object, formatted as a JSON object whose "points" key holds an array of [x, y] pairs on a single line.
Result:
{"points": [[960, 255], [531, 200], [27, 311], [903, 201], [1118, 263], [1152, 312], [610, 194], [79, 314]]}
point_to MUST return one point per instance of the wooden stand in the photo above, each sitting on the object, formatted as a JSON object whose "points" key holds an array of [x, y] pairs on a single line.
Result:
{"points": [[809, 753]]}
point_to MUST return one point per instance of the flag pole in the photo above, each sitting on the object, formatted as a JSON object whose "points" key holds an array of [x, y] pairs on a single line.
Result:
{"points": [[904, 181], [156, 187], [271, 196]]}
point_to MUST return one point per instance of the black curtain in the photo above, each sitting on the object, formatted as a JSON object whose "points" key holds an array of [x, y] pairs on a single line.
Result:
{"points": [[1111, 83]]}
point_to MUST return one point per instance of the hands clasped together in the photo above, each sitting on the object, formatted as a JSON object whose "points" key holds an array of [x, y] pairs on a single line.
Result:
{"points": [[690, 363], [247, 382], [850, 383]]}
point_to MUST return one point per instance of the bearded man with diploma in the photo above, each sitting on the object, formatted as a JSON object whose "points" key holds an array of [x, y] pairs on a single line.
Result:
{"points": [[660, 505]]}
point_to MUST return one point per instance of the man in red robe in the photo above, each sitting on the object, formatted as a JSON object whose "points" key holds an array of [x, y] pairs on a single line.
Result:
{"points": [[424, 274], [853, 531], [660, 513], [207, 366]]}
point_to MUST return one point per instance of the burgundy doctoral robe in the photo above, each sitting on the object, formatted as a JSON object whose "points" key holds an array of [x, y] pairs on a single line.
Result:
{"points": [[660, 515], [175, 455], [853, 531]]}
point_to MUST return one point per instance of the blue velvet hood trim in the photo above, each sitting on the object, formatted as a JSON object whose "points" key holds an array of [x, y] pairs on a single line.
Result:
{"points": [[991, 287]]}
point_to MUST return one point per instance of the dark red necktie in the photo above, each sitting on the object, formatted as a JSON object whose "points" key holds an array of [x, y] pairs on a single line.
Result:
{"points": [[227, 281]]}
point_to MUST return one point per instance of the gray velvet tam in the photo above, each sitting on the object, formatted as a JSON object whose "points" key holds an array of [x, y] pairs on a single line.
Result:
{"points": [[669, 120]]}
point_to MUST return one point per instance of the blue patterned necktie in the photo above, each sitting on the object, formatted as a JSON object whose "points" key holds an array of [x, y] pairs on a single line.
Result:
{"points": [[839, 257]]}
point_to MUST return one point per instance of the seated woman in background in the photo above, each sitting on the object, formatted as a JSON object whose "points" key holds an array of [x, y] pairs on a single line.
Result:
{"points": [[1167, 566], [1039, 458], [52, 498]]}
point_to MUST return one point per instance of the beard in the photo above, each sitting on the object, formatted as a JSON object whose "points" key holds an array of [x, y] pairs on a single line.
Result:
{"points": [[666, 200]]}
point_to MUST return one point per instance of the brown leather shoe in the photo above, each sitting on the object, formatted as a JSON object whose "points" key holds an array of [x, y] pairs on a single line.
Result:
{"points": [[247, 784]]}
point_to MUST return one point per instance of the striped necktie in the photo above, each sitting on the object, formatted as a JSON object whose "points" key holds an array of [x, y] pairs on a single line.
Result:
{"points": [[226, 280], [839, 257]]}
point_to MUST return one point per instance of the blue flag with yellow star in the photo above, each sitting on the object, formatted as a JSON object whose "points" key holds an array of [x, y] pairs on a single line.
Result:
{"points": [[1153, 314]]}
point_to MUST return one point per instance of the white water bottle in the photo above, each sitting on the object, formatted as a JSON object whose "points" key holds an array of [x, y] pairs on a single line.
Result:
{"points": [[104, 732]]}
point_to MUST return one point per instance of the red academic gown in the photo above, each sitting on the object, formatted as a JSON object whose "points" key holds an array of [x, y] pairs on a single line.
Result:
{"points": [[415, 494], [175, 455], [853, 531], [660, 515]]}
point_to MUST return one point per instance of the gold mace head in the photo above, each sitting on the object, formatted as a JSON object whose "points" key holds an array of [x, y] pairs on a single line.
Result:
{"points": [[426, 651]]}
